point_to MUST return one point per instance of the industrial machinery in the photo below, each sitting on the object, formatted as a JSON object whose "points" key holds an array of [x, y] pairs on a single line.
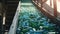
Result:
{"points": [[29, 20]]}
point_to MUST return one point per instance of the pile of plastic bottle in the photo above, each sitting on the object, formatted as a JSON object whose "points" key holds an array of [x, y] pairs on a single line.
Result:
{"points": [[32, 21]]}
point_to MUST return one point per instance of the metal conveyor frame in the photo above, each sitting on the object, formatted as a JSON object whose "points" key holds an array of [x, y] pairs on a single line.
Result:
{"points": [[15, 20]]}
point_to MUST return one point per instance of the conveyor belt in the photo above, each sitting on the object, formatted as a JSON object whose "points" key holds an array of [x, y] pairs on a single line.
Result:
{"points": [[32, 21]]}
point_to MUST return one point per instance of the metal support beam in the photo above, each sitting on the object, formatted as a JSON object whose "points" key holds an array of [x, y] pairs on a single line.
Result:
{"points": [[50, 2], [55, 8]]}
